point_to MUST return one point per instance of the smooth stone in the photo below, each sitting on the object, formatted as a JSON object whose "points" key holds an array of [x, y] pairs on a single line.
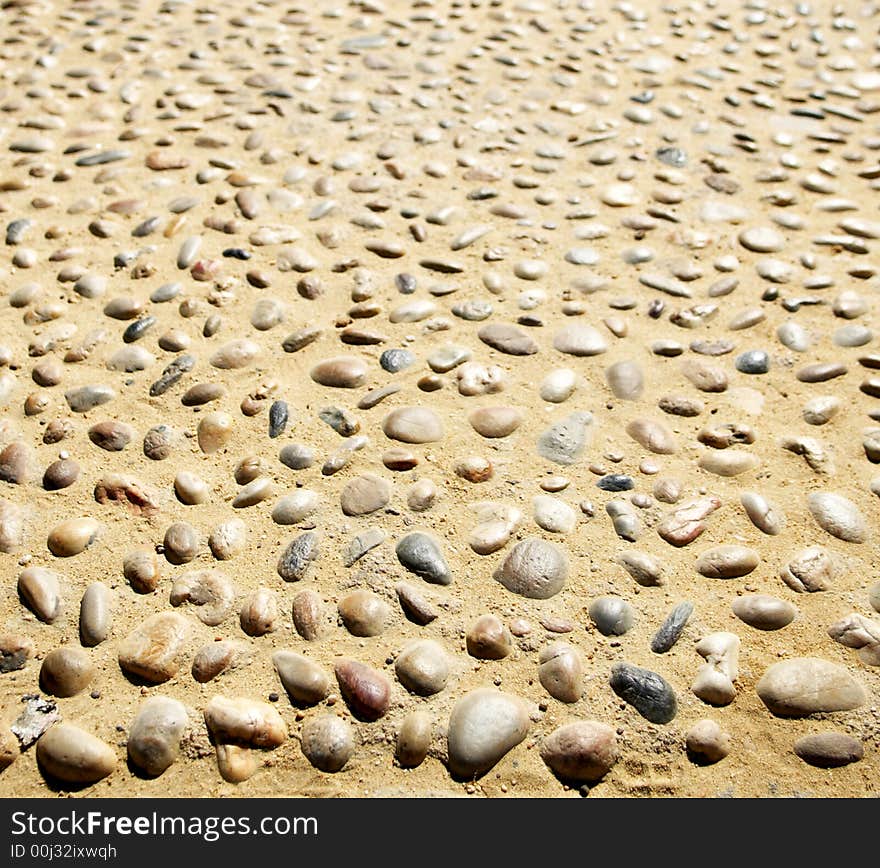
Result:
{"points": [[131, 360], [74, 756], [86, 398], [256, 491], [366, 691], [296, 558], [234, 355], [534, 568], [41, 591], [413, 425], [829, 750], [585, 750], [364, 613], [612, 616], [214, 431], [213, 659], [328, 742], [626, 380], [294, 508], [488, 639], [579, 340], [15, 461], [806, 685], [649, 693], [421, 554], [727, 562], [705, 377], [158, 443], [654, 436], [66, 671], [838, 516], [669, 632], [558, 386], [863, 634], [553, 515], [752, 362], [296, 456], [258, 614], [448, 357], [95, 614], [228, 539], [685, 523], [365, 494], [484, 726], [307, 613], [190, 488], [305, 681], [762, 239], [707, 743], [565, 441], [494, 422], [422, 495], [728, 462], [414, 739], [363, 543], [416, 608], [340, 372], [763, 611], [561, 671], [245, 722], [180, 543], [395, 360], [763, 513], [794, 336], [507, 339], [110, 435], [11, 527], [140, 567], [154, 737], [266, 314], [153, 650], [235, 763], [72, 537], [423, 667]]}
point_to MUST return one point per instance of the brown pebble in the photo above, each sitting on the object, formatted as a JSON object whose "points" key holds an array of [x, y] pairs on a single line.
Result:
{"points": [[488, 639], [212, 659], [60, 474], [474, 469], [364, 613], [259, 612], [141, 570], [15, 462], [66, 672], [110, 435], [307, 615], [181, 543], [73, 536], [366, 691]]}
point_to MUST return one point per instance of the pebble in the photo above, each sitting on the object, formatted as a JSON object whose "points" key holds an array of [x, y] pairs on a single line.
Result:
{"points": [[341, 372], [484, 726], [15, 462], [296, 507], [762, 239], [214, 432], [414, 739], [180, 543], [66, 672], [396, 360], [228, 539], [423, 667], [159, 442], [488, 639], [583, 751], [305, 681], [626, 380], [829, 750], [495, 422], [727, 562], [686, 523], [413, 425], [654, 436], [612, 616], [366, 691], [307, 615], [73, 536], [647, 570], [763, 513], [254, 492], [95, 614], [11, 527], [296, 456], [364, 495], [245, 722], [579, 340], [141, 570], [764, 611], [85, 398], [672, 627], [553, 515], [213, 659], [561, 671], [364, 613], [707, 743], [74, 756], [110, 435], [714, 680], [806, 685], [153, 650], [421, 554], [558, 386], [155, 734], [297, 556], [565, 441], [838, 516], [416, 608], [649, 693], [507, 339], [15, 651], [328, 742], [534, 568]]}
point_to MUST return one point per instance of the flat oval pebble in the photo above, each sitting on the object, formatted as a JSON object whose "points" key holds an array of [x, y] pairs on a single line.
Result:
{"points": [[245, 721], [74, 756], [727, 562], [341, 372], [365, 690], [649, 693], [484, 726], [328, 742], [579, 340], [413, 425], [95, 614], [829, 750], [806, 685], [764, 611], [414, 739], [838, 515], [613, 616], [73, 536], [494, 422], [423, 667], [40, 589], [364, 613]]}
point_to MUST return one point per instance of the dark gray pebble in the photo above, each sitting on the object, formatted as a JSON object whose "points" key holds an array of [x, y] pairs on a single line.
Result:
{"points": [[396, 360], [615, 482], [172, 374], [753, 362], [649, 693], [278, 416], [421, 555], [671, 629]]}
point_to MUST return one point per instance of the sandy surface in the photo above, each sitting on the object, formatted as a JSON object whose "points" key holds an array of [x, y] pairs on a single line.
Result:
{"points": [[484, 96]]}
